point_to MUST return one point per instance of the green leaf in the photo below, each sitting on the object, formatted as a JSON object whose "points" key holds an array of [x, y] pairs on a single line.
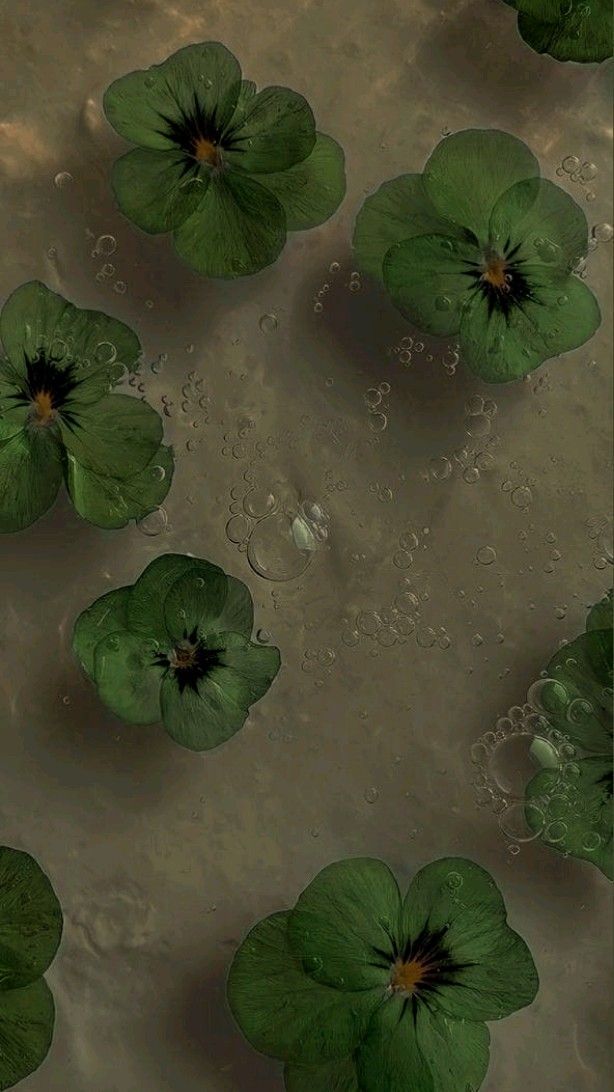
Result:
{"points": [[195, 601], [158, 190], [468, 171], [238, 229], [105, 616], [30, 920], [600, 615], [112, 502], [398, 210], [427, 278], [30, 473], [147, 597], [237, 615], [127, 678], [558, 318], [117, 437], [283, 1012], [578, 702], [337, 1076], [421, 1050], [143, 105], [546, 224], [276, 131], [27, 1017], [578, 32], [312, 190], [571, 810], [494, 973], [345, 923]]}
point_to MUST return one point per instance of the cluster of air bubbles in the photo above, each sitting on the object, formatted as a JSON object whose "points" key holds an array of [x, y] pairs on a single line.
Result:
{"points": [[479, 414], [105, 273], [381, 491], [600, 533], [376, 401], [319, 662], [354, 284], [582, 172], [406, 349], [325, 287], [396, 623], [278, 534], [407, 544], [519, 488]]}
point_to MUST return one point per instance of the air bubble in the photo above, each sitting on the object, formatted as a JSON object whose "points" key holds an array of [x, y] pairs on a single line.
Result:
{"points": [[268, 323], [154, 523], [63, 179]]}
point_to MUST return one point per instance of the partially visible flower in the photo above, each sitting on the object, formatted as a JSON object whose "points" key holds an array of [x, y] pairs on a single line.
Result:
{"points": [[227, 169], [570, 806], [30, 932], [479, 247], [569, 30], [175, 647], [358, 990], [59, 419]]}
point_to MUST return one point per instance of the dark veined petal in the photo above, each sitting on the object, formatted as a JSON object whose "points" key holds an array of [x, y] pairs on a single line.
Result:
{"points": [[560, 317], [572, 812], [283, 1012], [600, 615], [27, 1017], [105, 616], [127, 677], [398, 210], [140, 105], [312, 190], [345, 924], [246, 94], [195, 600], [158, 190], [30, 473], [491, 972], [579, 32], [417, 1049], [543, 223], [337, 1076], [238, 229], [468, 171], [35, 318], [116, 437], [428, 278], [112, 502], [277, 130], [146, 602], [30, 920], [576, 696]]}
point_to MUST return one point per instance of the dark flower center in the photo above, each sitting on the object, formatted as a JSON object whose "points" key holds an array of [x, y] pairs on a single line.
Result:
{"points": [[423, 965], [190, 660], [47, 387], [500, 279], [196, 134]]}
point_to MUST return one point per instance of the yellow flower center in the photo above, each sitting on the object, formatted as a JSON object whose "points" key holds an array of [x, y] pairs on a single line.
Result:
{"points": [[43, 407], [495, 273], [205, 151], [182, 657], [406, 976]]}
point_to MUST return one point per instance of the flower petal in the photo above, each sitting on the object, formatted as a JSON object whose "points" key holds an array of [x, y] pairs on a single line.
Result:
{"points": [[572, 811], [112, 502], [284, 1013], [140, 105], [127, 678], [337, 1076], [312, 190], [546, 225], [276, 131], [429, 281], [105, 616], [30, 474], [30, 920], [147, 597], [27, 1017], [398, 210], [116, 437], [579, 32], [560, 317], [345, 923], [494, 973], [195, 600], [578, 702], [158, 190], [238, 229], [468, 171], [237, 615], [422, 1050]]}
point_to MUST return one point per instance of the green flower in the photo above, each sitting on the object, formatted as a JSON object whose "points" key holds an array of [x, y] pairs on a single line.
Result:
{"points": [[481, 248], [358, 990], [569, 30], [227, 169], [571, 805], [58, 419], [176, 647], [30, 931]]}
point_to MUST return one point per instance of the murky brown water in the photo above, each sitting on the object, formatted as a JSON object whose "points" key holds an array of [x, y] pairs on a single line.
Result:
{"points": [[493, 503]]}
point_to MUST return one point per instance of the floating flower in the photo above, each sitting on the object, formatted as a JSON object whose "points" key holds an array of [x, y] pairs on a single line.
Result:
{"points": [[176, 647], [571, 805], [58, 419], [479, 247], [30, 931], [227, 169], [358, 990], [569, 30]]}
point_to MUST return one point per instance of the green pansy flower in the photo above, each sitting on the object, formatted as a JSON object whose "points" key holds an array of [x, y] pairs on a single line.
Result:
{"points": [[176, 647], [227, 169], [569, 30], [479, 247], [571, 805], [58, 419], [359, 990], [30, 931]]}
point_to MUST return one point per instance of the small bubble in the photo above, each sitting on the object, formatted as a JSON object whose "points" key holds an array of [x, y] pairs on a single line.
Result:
{"points": [[471, 474], [268, 323], [105, 245], [486, 555], [368, 622], [426, 637], [154, 523], [603, 233], [371, 795], [120, 287], [521, 496], [570, 164], [378, 422], [63, 179], [318, 307], [440, 468], [402, 559], [334, 267]]}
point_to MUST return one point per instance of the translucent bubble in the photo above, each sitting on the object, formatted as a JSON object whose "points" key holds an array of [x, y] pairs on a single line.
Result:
{"points": [[105, 352], [440, 468], [570, 164], [486, 555], [474, 405], [603, 233], [522, 496], [259, 502], [471, 475], [373, 396], [237, 528], [63, 179], [154, 523], [268, 323], [454, 881], [408, 540], [158, 473], [104, 245], [378, 422], [555, 831], [477, 424], [512, 763], [371, 795], [522, 821], [426, 637], [402, 559], [591, 841], [368, 622], [548, 696], [272, 551]]}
